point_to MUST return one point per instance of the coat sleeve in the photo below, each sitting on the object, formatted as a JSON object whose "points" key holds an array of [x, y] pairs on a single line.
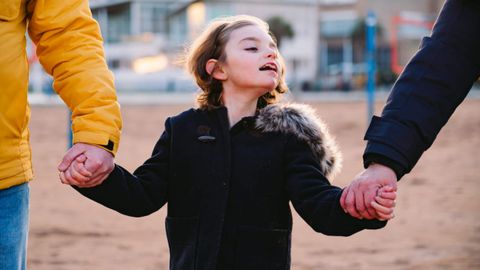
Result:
{"points": [[314, 198], [433, 84], [141, 193], [69, 47]]}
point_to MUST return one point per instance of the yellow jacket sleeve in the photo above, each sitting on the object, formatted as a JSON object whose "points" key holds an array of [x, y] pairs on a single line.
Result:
{"points": [[69, 47]]}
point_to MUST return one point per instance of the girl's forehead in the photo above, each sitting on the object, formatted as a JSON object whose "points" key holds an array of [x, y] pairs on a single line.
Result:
{"points": [[250, 32]]}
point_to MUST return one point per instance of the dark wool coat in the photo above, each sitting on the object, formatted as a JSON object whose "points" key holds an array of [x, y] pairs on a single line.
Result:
{"points": [[433, 84], [228, 189]]}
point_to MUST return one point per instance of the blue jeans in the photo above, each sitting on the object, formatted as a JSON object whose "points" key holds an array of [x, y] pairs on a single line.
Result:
{"points": [[14, 204]]}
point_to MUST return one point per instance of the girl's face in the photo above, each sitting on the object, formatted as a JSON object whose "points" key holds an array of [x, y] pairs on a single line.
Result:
{"points": [[251, 61]]}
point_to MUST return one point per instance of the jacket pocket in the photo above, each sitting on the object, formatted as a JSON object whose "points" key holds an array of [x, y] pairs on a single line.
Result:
{"points": [[182, 241], [262, 249], [9, 9]]}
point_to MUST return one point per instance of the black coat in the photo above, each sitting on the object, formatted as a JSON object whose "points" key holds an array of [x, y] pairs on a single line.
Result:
{"points": [[228, 190], [433, 84]]}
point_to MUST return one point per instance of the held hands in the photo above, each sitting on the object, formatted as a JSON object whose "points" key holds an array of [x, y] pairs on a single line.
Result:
{"points": [[371, 193], [384, 203], [85, 165]]}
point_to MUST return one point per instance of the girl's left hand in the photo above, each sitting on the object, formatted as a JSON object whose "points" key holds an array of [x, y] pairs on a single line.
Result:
{"points": [[384, 203]]}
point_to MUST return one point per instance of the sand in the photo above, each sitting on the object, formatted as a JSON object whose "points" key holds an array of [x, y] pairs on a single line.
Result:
{"points": [[437, 223]]}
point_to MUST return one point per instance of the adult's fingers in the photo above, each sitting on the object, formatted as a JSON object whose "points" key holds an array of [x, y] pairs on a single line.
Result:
{"points": [[75, 172], [69, 179], [61, 175], [81, 169], [342, 199], [76, 150], [360, 205], [99, 161], [350, 203], [93, 165]]}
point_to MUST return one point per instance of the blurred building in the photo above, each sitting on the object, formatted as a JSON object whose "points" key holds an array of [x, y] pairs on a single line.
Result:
{"points": [[400, 27], [137, 43], [143, 38]]}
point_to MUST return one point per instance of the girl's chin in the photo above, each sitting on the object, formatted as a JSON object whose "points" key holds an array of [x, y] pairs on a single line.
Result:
{"points": [[271, 86]]}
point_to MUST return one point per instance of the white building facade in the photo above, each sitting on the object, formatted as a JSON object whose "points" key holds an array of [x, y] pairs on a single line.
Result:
{"points": [[144, 38]]}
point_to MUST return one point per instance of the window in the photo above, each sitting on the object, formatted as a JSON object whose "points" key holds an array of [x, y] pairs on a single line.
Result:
{"points": [[118, 23], [154, 18]]}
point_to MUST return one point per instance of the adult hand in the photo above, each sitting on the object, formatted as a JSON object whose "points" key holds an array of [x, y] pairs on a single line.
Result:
{"points": [[97, 161], [357, 198]]}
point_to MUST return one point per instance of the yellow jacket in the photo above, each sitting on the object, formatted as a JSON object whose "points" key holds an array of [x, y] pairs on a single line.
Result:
{"points": [[69, 47]]}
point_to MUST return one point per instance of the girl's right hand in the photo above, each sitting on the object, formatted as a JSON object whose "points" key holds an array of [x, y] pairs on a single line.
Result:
{"points": [[76, 173]]}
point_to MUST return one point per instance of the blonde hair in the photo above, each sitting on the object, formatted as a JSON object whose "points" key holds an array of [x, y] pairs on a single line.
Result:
{"points": [[211, 45]]}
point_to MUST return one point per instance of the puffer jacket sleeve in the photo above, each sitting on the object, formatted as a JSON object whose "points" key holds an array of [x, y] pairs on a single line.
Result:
{"points": [[433, 84], [314, 198], [141, 193], [69, 47]]}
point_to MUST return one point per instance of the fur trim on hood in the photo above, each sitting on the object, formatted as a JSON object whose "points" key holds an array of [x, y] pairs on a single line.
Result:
{"points": [[301, 121]]}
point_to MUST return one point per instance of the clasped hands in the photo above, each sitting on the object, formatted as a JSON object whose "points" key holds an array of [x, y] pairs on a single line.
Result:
{"points": [[85, 165], [372, 194]]}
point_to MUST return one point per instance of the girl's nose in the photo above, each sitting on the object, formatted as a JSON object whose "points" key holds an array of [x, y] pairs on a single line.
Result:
{"points": [[271, 53]]}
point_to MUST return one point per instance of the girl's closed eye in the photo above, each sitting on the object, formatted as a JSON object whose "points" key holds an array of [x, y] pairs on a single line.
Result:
{"points": [[253, 49]]}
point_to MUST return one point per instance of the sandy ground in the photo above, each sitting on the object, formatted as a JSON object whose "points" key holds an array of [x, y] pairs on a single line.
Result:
{"points": [[437, 224]]}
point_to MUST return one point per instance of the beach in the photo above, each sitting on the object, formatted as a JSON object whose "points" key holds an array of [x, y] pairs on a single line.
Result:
{"points": [[437, 223]]}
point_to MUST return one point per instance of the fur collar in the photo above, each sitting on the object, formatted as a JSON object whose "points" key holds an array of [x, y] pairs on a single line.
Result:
{"points": [[300, 120]]}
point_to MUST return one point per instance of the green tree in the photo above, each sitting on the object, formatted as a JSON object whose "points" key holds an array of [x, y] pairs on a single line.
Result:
{"points": [[280, 29]]}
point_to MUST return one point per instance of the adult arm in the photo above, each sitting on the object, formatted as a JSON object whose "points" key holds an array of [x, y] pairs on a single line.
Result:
{"points": [[69, 47], [433, 84]]}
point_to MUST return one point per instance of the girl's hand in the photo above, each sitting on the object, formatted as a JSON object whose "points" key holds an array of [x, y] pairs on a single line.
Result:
{"points": [[384, 203], [76, 173]]}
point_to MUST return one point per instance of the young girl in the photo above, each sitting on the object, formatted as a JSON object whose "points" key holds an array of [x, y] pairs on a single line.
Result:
{"points": [[229, 169]]}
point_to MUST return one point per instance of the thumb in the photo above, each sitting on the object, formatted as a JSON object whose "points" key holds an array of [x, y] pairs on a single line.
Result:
{"points": [[70, 156], [81, 158], [92, 165]]}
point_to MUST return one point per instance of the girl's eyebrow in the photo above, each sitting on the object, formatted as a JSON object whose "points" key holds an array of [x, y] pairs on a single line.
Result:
{"points": [[271, 44]]}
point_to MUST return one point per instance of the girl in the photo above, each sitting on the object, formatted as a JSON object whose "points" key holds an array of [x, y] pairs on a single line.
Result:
{"points": [[229, 169]]}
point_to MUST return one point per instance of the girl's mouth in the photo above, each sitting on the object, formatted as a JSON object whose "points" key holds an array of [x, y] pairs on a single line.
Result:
{"points": [[269, 66]]}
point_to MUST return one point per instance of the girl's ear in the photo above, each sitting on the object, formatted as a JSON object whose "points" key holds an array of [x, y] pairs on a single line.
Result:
{"points": [[215, 70]]}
